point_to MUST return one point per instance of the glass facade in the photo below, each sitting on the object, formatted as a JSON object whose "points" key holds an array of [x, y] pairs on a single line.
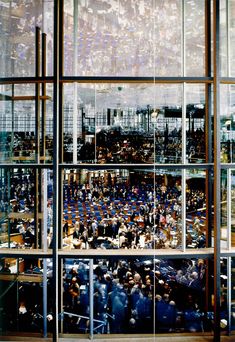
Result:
{"points": [[117, 168]]}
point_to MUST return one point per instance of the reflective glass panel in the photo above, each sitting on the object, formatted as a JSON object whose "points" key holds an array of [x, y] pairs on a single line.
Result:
{"points": [[22, 294], [195, 37], [167, 123], [195, 124], [233, 208], [76, 306], [17, 124], [138, 295], [227, 123], [196, 225], [108, 208], [22, 225], [19, 20], [224, 208], [168, 206]]}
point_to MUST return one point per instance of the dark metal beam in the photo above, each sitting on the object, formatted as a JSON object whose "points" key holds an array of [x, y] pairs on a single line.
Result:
{"points": [[208, 123], [56, 60], [136, 166], [44, 45], [217, 171]]}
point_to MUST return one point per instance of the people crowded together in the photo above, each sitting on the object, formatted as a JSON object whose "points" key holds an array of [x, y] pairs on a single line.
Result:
{"points": [[116, 214], [129, 293]]}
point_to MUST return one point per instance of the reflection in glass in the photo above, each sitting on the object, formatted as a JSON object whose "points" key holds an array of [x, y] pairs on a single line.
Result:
{"points": [[17, 125], [113, 38], [227, 119], [167, 120], [120, 208], [138, 296], [116, 123], [168, 208], [22, 295], [76, 296], [18, 21], [224, 294], [106, 208], [227, 35], [125, 39], [79, 123], [223, 39], [233, 208], [20, 226], [195, 124], [124, 129], [195, 209], [195, 37], [224, 207]]}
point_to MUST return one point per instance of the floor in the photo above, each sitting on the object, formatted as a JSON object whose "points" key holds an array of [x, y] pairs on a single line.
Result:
{"points": [[173, 338]]}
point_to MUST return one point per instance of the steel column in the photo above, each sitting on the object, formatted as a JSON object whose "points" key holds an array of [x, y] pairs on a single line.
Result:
{"points": [[44, 44], [217, 170], [91, 300], [56, 59]]}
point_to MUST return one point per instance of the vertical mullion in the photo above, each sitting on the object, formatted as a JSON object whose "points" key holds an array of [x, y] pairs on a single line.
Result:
{"points": [[44, 36], [217, 170], [208, 122], [228, 38], [183, 67], [229, 294], [61, 85], [183, 173], [37, 96], [183, 210], [37, 132], [8, 173], [96, 118], [91, 299], [44, 297], [75, 95], [12, 122], [56, 58]]}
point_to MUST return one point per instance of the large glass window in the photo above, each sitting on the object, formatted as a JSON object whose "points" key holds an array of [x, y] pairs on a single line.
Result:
{"points": [[18, 22], [143, 40], [116, 167], [137, 296]]}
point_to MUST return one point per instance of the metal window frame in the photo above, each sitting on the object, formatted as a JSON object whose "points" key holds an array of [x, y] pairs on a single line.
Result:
{"points": [[57, 254]]}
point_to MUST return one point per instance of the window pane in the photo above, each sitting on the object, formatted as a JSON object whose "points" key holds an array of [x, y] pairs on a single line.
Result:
{"points": [[195, 37], [22, 294], [195, 124], [113, 38], [17, 124], [167, 120], [18, 21], [196, 225], [76, 304], [20, 226]]}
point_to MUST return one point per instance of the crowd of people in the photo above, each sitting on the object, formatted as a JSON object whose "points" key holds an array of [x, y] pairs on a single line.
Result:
{"points": [[19, 198], [128, 294], [117, 146], [117, 214]]}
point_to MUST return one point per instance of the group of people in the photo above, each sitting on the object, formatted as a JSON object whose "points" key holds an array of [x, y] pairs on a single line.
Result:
{"points": [[128, 294], [117, 214], [19, 197], [115, 146]]}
